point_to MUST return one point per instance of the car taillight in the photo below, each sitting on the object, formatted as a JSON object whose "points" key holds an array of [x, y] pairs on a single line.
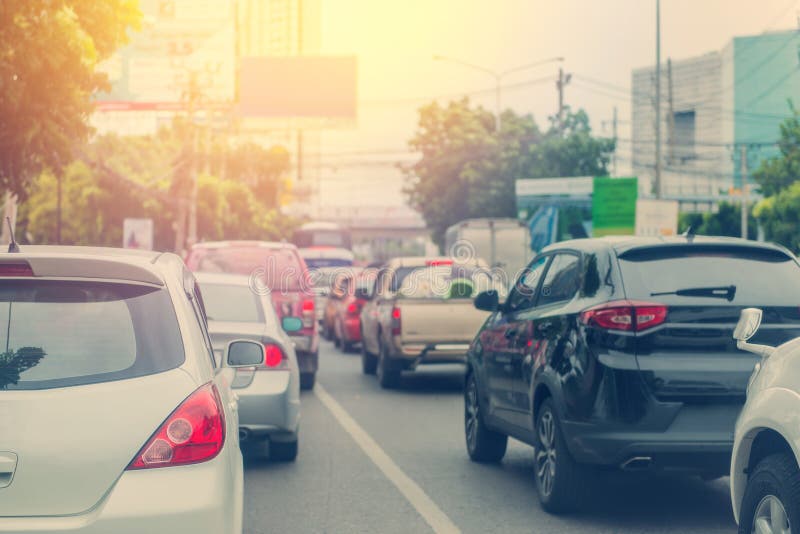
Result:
{"points": [[626, 315], [16, 269], [308, 312], [274, 358], [354, 308], [193, 433], [397, 322], [438, 263]]}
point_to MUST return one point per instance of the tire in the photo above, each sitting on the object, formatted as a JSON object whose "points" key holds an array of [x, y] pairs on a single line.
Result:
{"points": [[483, 445], [775, 477], [283, 451], [307, 381], [369, 363], [387, 372], [560, 481]]}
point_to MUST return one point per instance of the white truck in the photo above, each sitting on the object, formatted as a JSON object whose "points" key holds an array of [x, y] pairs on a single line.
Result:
{"points": [[504, 243], [421, 311]]}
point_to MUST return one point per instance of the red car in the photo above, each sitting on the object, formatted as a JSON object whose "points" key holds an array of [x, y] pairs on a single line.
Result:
{"points": [[347, 309], [278, 269]]}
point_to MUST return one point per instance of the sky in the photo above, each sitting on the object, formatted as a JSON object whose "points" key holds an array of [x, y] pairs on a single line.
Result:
{"points": [[601, 40]]}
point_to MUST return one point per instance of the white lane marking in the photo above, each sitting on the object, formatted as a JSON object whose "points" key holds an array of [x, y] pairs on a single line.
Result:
{"points": [[424, 505]]}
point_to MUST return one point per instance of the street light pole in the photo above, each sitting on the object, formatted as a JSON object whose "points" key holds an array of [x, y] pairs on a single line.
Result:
{"points": [[658, 101], [498, 76]]}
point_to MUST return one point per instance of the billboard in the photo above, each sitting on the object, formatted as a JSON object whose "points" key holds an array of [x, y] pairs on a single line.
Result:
{"points": [[614, 206], [656, 217], [137, 233], [298, 86], [178, 39]]}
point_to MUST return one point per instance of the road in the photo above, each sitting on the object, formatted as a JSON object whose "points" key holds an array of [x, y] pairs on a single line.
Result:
{"points": [[394, 461]]}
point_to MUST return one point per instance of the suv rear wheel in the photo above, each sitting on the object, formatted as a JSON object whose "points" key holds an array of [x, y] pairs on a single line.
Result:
{"points": [[771, 500], [307, 380], [283, 451], [369, 362], [483, 444], [560, 480]]}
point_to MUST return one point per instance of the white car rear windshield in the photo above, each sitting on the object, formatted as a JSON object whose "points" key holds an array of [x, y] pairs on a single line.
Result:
{"points": [[445, 282], [232, 304], [57, 334]]}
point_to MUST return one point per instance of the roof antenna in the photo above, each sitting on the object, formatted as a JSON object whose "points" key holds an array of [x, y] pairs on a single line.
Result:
{"points": [[12, 247], [689, 233]]}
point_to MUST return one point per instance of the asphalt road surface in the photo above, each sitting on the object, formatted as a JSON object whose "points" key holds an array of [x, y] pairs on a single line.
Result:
{"points": [[394, 461]]}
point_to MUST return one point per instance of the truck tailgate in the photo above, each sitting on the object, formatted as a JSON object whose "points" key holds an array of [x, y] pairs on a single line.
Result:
{"points": [[439, 321]]}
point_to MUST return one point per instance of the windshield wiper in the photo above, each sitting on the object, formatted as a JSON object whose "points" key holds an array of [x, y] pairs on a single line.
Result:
{"points": [[724, 292]]}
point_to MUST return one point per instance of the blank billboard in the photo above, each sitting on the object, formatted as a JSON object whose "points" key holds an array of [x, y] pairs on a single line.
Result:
{"points": [[300, 86]]}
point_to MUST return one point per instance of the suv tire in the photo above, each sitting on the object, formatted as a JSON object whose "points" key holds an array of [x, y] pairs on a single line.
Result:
{"points": [[307, 381], [387, 371], [775, 477], [483, 445]]}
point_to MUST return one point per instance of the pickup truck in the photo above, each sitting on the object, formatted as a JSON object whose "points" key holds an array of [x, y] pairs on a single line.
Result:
{"points": [[420, 311]]}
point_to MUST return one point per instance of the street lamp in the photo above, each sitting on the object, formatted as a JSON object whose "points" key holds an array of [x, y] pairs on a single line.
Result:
{"points": [[497, 75]]}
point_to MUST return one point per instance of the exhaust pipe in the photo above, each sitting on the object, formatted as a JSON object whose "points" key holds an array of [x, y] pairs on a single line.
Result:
{"points": [[637, 463], [244, 435]]}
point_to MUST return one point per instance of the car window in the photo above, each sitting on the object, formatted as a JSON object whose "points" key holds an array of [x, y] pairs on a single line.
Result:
{"points": [[447, 282], [759, 275], [57, 333], [562, 280], [523, 295], [232, 303], [281, 269]]}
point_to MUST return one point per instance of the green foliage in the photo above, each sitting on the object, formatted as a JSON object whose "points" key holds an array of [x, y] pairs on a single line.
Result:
{"points": [[144, 176], [14, 363], [779, 177], [726, 222], [49, 50], [780, 216], [468, 169]]}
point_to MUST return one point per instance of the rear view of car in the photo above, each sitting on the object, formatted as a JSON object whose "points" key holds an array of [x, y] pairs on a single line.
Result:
{"points": [[277, 269], [113, 418], [269, 394]]}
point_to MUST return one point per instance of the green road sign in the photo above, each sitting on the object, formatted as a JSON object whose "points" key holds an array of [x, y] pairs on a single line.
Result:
{"points": [[614, 206]]}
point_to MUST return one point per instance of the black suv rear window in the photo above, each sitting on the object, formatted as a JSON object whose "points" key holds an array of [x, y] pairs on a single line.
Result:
{"points": [[761, 276], [57, 333]]}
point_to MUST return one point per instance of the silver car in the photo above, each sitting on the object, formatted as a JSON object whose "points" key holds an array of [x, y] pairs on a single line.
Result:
{"points": [[269, 394], [114, 416]]}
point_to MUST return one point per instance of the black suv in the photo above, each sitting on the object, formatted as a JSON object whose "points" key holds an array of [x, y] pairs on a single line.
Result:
{"points": [[617, 352]]}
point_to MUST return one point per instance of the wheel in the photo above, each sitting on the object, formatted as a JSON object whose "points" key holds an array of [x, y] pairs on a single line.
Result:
{"points": [[387, 372], [307, 380], [283, 451], [483, 444], [771, 500], [560, 481], [369, 362]]}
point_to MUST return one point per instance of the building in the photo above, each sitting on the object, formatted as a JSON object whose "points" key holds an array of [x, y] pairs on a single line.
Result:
{"points": [[714, 107]]}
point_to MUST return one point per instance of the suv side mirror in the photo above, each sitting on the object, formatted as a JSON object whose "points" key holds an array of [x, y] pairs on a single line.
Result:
{"points": [[488, 301], [244, 353], [746, 328]]}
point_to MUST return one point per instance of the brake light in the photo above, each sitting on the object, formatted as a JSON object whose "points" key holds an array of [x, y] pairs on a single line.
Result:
{"points": [[308, 312], [16, 269], [626, 315], [436, 263], [274, 358], [397, 322], [354, 308], [193, 433]]}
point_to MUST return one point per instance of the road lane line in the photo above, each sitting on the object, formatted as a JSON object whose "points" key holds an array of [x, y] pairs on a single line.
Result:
{"points": [[422, 503]]}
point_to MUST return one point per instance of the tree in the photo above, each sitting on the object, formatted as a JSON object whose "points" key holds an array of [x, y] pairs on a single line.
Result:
{"points": [[727, 221], [468, 169], [779, 178], [49, 50]]}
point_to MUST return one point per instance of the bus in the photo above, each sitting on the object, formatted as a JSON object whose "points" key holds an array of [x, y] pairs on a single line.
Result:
{"points": [[322, 234]]}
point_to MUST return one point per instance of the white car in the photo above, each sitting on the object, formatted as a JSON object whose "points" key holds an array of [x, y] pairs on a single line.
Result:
{"points": [[113, 415], [765, 479], [269, 394]]}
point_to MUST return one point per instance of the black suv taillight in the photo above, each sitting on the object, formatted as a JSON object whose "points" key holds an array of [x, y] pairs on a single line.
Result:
{"points": [[626, 315]]}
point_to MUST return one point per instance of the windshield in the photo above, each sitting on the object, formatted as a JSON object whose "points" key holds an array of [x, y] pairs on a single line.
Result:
{"points": [[57, 334], [232, 303], [281, 269]]}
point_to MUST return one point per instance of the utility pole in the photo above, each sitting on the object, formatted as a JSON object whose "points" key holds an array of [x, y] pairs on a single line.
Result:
{"points": [[670, 116], [658, 101], [614, 155], [562, 81], [745, 190]]}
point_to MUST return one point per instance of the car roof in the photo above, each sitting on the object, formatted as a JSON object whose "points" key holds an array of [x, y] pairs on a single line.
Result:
{"points": [[622, 244], [95, 262], [243, 244], [222, 279]]}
